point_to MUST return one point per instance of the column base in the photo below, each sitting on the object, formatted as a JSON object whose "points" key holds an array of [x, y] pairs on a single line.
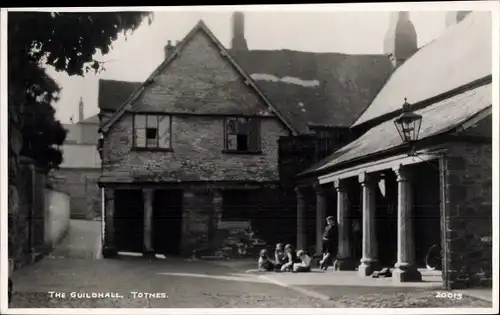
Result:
{"points": [[346, 264], [109, 252], [367, 269], [149, 254], [408, 275]]}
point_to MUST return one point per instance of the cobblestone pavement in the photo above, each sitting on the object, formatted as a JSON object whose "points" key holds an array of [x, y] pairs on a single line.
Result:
{"points": [[185, 284], [188, 284], [395, 297]]}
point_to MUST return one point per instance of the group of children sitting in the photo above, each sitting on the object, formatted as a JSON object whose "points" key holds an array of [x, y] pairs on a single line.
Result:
{"points": [[285, 259]]}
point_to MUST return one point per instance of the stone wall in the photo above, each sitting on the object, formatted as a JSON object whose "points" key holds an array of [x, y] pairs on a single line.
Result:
{"points": [[198, 142], [26, 219], [196, 214], [81, 185], [468, 211], [273, 215], [198, 88]]}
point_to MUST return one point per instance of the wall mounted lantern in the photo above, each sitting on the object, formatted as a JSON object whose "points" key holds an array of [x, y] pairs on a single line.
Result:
{"points": [[408, 125]]}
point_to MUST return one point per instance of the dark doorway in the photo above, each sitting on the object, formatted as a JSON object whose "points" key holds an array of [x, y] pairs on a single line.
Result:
{"points": [[427, 216], [167, 221], [129, 220], [386, 219], [354, 194]]}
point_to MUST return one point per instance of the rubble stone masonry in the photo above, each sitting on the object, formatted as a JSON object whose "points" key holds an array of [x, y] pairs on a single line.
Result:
{"points": [[197, 144], [468, 214], [198, 89]]}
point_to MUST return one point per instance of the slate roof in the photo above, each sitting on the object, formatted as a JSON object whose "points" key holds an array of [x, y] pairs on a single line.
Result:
{"points": [[438, 118], [113, 93], [332, 88], [327, 89], [459, 56]]}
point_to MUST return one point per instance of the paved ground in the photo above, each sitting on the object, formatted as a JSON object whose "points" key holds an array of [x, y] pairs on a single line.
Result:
{"points": [[176, 283], [82, 241]]}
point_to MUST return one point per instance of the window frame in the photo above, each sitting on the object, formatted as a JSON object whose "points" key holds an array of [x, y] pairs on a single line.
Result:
{"points": [[226, 136], [156, 147]]}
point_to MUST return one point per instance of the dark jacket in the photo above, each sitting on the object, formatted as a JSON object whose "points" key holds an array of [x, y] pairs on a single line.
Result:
{"points": [[330, 233]]}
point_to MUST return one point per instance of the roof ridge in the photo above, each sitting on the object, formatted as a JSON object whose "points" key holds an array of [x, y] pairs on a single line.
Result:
{"points": [[224, 52], [448, 33], [313, 52]]}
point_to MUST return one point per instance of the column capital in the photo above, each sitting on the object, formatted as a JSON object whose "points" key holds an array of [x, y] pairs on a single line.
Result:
{"points": [[340, 185], [402, 173], [216, 192], [148, 191], [109, 193], [319, 189], [300, 194], [367, 178]]}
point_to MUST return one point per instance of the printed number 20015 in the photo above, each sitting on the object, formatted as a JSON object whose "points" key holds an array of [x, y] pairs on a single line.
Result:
{"points": [[449, 295]]}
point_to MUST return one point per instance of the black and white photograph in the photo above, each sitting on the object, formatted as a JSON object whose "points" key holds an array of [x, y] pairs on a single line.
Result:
{"points": [[250, 159]]}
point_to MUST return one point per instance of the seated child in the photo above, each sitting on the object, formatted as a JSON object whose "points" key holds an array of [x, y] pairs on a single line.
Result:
{"points": [[305, 262], [279, 256], [290, 259], [265, 264]]}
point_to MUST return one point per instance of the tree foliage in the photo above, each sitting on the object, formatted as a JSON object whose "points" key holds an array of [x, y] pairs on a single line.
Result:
{"points": [[67, 41], [42, 133]]}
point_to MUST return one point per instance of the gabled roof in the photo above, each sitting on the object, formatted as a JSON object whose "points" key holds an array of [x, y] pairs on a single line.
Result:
{"points": [[439, 118], [461, 55], [113, 93], [200, 26], [325, 89], [309, 89]]}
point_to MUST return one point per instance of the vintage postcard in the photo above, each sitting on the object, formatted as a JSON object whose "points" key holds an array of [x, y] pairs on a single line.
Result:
{"points": [[294, 159]]}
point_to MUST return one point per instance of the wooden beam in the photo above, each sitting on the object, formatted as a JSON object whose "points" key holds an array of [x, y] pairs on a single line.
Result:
{"points": [[376, 166]]}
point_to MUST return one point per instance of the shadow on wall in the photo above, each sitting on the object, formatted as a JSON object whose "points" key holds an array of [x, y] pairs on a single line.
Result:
{"points": [[57, 212]]}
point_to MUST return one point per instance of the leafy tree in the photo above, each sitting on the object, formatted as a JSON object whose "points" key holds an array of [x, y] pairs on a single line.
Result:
{"points": [[67, 41], [42, 133]]}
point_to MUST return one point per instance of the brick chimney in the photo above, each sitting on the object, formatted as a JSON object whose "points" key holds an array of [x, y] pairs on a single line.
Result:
{"points": [[400, 42], [238, 41], [169, 49]]}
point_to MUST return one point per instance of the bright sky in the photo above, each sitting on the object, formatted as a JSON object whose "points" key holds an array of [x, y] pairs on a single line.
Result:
{"points": [[135, 58]]}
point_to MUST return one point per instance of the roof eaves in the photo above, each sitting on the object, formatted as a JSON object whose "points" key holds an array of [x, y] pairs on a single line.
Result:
{"points": [[430, 100], [314, 170], [248, 79], [126, 105], [200, 25]]}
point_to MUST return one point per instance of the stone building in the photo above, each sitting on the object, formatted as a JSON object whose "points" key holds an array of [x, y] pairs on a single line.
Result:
{"points": [[78, 173], [197, 142], [438, 194]]}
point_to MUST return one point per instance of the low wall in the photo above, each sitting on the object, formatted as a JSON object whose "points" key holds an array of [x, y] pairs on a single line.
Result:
{"points": [[57, 213]]}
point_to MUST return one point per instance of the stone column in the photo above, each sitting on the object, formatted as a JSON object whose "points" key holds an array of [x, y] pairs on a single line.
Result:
{"points": [[405, 271], [216, 216], [344, 259], [301, 228], [109, 249], [320, 217], [148, 222], [369, 261]]}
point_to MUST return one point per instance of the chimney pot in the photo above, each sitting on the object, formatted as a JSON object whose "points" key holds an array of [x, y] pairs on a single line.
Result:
{"points": [[168, 49]]}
